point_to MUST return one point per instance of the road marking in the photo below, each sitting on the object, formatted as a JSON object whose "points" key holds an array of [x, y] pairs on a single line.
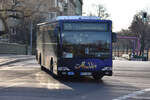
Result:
{"points": [[133, 94], [12, 85], [141, 98]]}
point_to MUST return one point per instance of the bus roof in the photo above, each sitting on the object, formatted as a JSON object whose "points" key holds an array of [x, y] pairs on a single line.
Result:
{"points": [[77, 17], [73, 18]]}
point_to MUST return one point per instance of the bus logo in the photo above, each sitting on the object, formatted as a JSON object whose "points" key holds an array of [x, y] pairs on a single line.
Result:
{"points": [[83, 65]]}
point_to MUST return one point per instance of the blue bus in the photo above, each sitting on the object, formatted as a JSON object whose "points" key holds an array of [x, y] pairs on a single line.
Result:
{"points": [[75, 46]]}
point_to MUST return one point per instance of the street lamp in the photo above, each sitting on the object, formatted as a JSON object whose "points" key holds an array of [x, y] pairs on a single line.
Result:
{"points": [[145, 20], [31, 32], [144, 16]]}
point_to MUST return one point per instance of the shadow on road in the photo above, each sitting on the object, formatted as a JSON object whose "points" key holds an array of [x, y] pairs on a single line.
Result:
{"points": [[73, 87], [65, 89], [45, 87], [80, 79]]}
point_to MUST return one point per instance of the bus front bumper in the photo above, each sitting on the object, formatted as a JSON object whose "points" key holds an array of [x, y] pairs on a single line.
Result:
{"points": [[71, 73]]}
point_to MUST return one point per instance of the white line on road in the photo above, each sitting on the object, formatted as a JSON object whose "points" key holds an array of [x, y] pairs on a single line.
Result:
{"points": [[133, 94], [141, 98]]}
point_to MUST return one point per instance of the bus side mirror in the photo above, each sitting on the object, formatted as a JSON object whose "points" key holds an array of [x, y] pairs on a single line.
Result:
{"points": [[114, 37]]}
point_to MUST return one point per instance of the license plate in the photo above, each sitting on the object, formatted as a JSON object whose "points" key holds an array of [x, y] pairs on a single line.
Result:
{"points": [[85, 73], [70, 73]]}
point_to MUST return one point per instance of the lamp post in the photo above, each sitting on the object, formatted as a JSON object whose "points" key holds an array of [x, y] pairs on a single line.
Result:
{"points": [[31, 27]]}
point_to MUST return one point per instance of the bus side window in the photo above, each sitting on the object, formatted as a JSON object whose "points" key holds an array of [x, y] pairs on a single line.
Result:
{"points": [[52, 34]]}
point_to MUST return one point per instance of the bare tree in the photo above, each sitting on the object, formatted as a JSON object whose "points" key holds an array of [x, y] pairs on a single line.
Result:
{"points": [[21, 12], [126, 45], [5, 25], [100, 12], [141, 28]]}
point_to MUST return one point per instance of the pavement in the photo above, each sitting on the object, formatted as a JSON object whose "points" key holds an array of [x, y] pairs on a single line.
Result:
{"points": [[22, 79]]}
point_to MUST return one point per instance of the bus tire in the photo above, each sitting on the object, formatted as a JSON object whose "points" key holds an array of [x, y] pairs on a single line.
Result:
{"points": [[98, 77], [39, 61], [42, 68], [51, 65]]}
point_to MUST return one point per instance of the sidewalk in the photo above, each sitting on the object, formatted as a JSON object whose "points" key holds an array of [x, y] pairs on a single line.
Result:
{"points": [[120, 58], [6, 59]]}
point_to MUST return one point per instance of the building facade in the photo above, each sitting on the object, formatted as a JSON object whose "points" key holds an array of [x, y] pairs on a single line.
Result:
{"points": [[48, 9], [73, 7], [79, 4]]}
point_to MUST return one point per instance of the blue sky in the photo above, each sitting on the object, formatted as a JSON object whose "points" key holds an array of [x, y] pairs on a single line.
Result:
{"points": [[121, 11]]}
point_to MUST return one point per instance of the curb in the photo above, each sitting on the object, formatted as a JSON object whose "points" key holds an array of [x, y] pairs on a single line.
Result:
{"points": [[14, 61], [8, 62]]}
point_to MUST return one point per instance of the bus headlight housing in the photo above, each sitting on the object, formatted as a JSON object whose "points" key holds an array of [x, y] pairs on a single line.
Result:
{"points": [[63, 69], [107, 69]]}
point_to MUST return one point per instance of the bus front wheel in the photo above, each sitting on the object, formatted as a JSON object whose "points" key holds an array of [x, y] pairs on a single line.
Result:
{"points": [[51, 65], [98, 77]]}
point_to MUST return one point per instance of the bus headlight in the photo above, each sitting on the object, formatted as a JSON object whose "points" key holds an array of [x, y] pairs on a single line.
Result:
{"points": [[63, 69], [107, 69], [67, 55]]}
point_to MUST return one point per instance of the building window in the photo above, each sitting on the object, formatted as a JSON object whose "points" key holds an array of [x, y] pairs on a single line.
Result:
{"points": [[55, 3], [51, 16], [14, 1], [66, 1]]}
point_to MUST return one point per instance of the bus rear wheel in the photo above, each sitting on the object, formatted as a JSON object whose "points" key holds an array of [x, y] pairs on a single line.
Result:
{"points": [[98, 77], [39, 61]]}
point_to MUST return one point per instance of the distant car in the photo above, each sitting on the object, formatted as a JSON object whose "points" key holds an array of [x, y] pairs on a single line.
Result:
{"points": [[126, 56]]}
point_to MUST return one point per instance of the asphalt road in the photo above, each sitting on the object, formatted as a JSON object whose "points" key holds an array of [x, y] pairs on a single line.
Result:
{"points": [[23, 80]]}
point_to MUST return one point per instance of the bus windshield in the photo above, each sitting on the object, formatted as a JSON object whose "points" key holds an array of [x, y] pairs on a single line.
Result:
{"points": [[86, 44], [86, 40]]}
